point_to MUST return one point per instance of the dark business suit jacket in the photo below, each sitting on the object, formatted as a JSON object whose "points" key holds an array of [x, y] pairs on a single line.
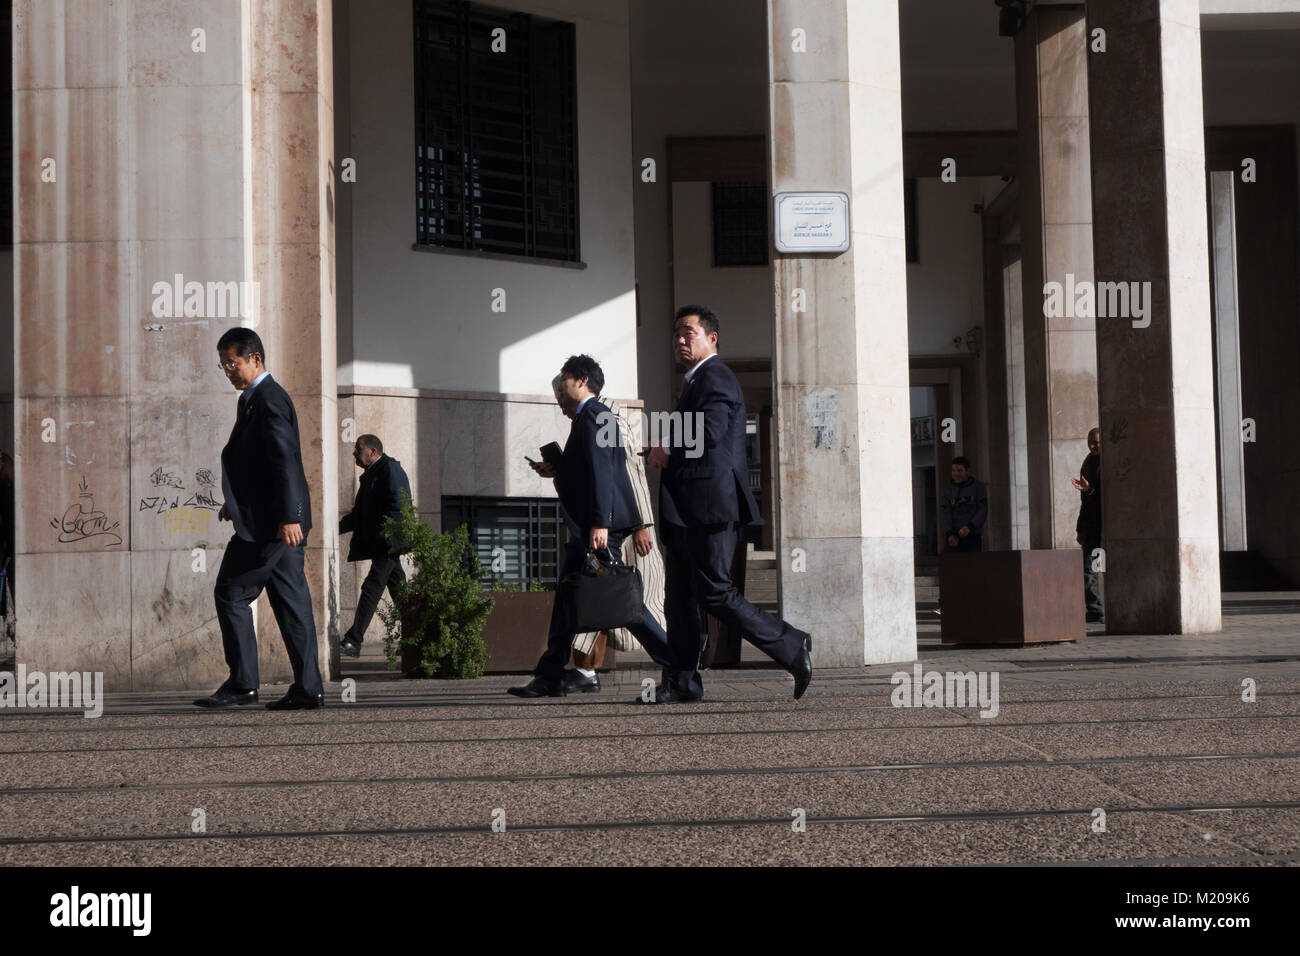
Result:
{"points": [[378, 497], [592, 477], [261, 467], [713, 488], [1089, 523]]}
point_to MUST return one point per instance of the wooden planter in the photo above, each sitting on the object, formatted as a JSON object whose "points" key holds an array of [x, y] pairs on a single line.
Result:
{"points": [[1011, 597], [516, 632], [515, 635]]}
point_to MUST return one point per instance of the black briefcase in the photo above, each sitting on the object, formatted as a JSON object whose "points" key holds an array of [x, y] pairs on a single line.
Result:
{"points": [[605, 594]]}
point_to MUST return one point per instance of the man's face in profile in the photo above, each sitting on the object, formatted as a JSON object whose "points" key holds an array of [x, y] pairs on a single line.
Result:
{"points": [[691, 344], [240, 370], [364, 455], [568, 394]]}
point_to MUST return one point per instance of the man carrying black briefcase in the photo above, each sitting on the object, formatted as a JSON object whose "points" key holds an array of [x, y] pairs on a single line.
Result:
{"points": [[596, 494]]}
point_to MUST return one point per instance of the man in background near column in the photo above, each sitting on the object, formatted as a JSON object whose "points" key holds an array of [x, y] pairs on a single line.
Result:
{"points": [[1088, 527], [964, 508], [380, 495], [268, 502]]}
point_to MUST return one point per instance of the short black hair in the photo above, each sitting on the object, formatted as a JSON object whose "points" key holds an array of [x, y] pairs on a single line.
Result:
{"points": [[244, 341], [963, 461], [371, 441], [708, 319], [1095, 431], [584, 366]]}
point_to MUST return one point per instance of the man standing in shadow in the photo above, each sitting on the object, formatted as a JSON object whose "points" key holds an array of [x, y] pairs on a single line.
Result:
{"points": [[1088, 527], [268, 502]]}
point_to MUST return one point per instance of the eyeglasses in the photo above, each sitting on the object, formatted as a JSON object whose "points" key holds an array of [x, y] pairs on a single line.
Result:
{"points": [[227, 366]]}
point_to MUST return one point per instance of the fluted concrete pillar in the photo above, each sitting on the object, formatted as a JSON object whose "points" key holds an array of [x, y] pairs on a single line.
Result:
{"points": [[1159, 496], [1056, 246], [844, 452], [160, 147]]}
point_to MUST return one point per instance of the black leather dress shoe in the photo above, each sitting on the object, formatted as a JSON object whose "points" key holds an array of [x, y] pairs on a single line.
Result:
{"points": [[350, 648], [666, 695], [225, 696], [802, 669], [576, 682], [540, 687], [298, 699]]}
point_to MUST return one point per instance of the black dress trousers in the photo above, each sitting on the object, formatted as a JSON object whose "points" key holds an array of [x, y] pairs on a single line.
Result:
{"points": [[699, 573], [247, 568]]}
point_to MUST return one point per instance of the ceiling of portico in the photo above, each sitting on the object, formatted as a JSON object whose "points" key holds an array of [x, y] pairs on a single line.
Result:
{"points": [[958, 74]]}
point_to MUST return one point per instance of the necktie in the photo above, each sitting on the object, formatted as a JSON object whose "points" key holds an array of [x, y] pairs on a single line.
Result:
{"points": [[243, 399]]}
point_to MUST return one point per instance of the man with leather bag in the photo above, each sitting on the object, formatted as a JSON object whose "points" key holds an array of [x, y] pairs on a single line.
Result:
{"points": [[596, 494]]}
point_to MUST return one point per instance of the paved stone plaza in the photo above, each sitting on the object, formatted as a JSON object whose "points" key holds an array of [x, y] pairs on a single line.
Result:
{"points": [[1152, 730]]}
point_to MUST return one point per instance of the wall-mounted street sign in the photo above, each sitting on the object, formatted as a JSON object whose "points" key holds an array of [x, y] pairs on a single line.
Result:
{"points": [[812, 222]]}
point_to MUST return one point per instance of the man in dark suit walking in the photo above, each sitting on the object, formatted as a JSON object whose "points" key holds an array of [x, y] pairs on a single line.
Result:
{"points": [[380, 496], [597, 497], [268, 502], [704, 501]]}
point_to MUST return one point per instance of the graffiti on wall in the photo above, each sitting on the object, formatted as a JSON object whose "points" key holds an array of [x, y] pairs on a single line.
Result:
{"points": [[182, 510], [82, 521]]}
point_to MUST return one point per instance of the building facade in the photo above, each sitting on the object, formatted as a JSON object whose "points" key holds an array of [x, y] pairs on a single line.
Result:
{"points": [[424, 206]]}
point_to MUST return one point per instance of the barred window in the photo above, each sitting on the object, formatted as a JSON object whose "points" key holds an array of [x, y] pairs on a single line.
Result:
{"points": [[740, 224], [523, 536], [496, 131]]}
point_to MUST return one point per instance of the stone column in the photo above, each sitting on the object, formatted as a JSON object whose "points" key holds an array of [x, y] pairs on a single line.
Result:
{"points": [[151, 154], [844, 445], [1159, 504], [290, 244], [1056, 244], [1227, 365]]}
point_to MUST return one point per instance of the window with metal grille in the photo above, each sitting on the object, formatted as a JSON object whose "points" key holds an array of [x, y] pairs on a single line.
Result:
{"points": [[740, 224], [524, 537], [496, 158]]}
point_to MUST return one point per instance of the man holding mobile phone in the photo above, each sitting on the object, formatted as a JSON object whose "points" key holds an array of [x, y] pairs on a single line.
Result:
{"points": [[597, 497]]}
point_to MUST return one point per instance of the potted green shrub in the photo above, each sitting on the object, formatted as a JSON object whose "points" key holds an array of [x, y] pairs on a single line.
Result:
{"points": [[436, 624]]}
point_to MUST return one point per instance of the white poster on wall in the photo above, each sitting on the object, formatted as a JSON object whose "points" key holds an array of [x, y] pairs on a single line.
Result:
{"points": [[812, 222]]}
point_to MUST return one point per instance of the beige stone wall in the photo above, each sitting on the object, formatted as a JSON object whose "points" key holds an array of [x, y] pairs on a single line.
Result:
{"points": [[170, 160]]}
